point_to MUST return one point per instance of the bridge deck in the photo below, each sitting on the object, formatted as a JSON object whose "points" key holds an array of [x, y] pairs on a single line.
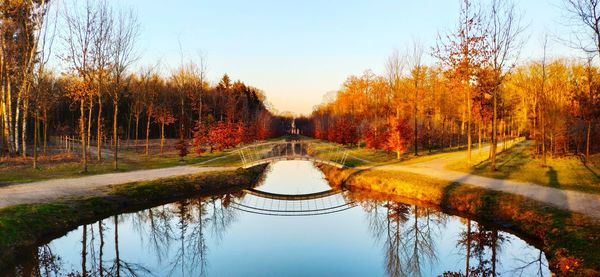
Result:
{"points": [[264, 153], [291, 158]]}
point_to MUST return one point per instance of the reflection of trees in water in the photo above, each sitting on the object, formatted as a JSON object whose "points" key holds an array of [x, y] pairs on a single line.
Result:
{"points": [[39, 262], [481, 245], [182, 225], [420, 238], [408, 235], [194, 218], [537, 262]]}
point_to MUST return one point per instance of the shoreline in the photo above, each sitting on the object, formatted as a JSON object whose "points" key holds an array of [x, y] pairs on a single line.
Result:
{"points": [[565, 237], [24, 226]]}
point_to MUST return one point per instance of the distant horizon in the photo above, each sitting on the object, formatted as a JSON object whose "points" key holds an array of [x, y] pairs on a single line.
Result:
{"points": [[297, 53]]}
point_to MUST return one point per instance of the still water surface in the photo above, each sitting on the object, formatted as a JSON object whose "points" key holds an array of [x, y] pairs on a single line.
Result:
{"points": [[291, 224]]}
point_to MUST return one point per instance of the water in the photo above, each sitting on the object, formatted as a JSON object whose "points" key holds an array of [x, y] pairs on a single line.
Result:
{"points": [[292, 224]]}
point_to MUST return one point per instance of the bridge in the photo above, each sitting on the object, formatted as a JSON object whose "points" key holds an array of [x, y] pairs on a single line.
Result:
{"points": [[266, 203], [269, 152]]}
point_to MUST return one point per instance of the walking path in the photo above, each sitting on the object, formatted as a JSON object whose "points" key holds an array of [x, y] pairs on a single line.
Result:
{"points": [[584, 203], [55, 189]]}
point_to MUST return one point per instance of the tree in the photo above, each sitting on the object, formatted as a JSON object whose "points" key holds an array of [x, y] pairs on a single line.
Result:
{"points": [[22, 24], [504, 43], [80, 91], [417, 72], [462, 53], [164, 117], [154, 85], [182, 148], [123, 55], [585, 14], [399, 134]]}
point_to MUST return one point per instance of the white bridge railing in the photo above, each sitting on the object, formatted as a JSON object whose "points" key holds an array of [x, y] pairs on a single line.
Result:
{"points": [[263, 153]]}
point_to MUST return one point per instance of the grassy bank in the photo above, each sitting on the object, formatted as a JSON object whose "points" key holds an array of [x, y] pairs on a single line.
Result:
{"points": [[519, 163], [25, 226], [565, 237], [64, 166]]}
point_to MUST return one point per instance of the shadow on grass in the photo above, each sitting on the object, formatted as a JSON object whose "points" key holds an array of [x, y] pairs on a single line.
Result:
{"points": [[508, 162], [552, 177]]}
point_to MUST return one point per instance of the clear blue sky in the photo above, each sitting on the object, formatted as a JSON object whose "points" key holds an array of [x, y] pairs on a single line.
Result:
{"points": [[296, 51]]}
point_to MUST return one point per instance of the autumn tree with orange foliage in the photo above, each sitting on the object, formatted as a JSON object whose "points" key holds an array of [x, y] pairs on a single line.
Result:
{"points": [[80, 91], [398, 135], [461, 54]]}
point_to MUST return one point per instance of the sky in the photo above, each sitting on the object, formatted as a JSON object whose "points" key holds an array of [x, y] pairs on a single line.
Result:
{"points": [[297, 51]]}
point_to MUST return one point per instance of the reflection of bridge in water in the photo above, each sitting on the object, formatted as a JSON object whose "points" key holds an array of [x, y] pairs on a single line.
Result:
{"points": [[264, 153], [266, 203]]}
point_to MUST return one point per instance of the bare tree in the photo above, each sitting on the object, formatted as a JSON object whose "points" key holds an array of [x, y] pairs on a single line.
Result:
{"points": [[42, 83], [78, 39], [504, 44], [102, 64], [417, 71], [126, 33], [585, 18]]}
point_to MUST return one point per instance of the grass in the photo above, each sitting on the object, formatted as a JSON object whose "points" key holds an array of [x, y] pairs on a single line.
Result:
{"points": [[357, 156], [519, 163], [22, 227], [128, 161], [565, 237]]}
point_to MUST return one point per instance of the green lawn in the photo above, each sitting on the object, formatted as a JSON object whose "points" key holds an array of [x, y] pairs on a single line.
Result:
{"points": [[519, 163]]}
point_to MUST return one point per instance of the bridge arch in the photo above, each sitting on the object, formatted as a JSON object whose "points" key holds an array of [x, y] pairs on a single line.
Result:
{"points": [[264, 153], [266, 203]]}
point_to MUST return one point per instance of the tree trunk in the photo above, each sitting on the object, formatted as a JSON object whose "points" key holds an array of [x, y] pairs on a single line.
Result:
{"points": [[128, 128], [162, 137], [82, 131], [587, 141], [101, 233], [35, 140], [415, 119], [3, 139], [84, 250], [9, 119], [99, 127], [89, 126], [117, 256], [115, 133], [494, 250], [543, 139], [137, 122], [468, 258], [24, 128], [479, 139], [469, 126], [17, 123], [147, 135], [45, 130], [494, 131]]}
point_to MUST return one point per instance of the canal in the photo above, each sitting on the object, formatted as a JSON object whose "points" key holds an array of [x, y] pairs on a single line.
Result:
{"points": [[293, 223]]}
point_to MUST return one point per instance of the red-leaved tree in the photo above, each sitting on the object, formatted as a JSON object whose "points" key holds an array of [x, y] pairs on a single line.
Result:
{"points": [[399, 135]]}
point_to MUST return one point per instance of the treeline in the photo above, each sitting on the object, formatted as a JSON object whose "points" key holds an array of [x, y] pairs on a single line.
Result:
{"points": [[153, 106], [365, 107], [475, 92], [100, 98]]}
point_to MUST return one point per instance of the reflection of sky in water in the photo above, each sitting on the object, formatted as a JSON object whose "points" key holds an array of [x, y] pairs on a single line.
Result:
{"points": [[357, 242], [293, 177]]}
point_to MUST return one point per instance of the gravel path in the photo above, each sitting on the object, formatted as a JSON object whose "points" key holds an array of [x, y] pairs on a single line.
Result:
{"points": [[584, 203], [55, 189]]}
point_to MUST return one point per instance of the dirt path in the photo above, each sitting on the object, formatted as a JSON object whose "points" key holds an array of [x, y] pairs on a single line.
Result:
{"points": [[584, 203], [55, 189]]}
